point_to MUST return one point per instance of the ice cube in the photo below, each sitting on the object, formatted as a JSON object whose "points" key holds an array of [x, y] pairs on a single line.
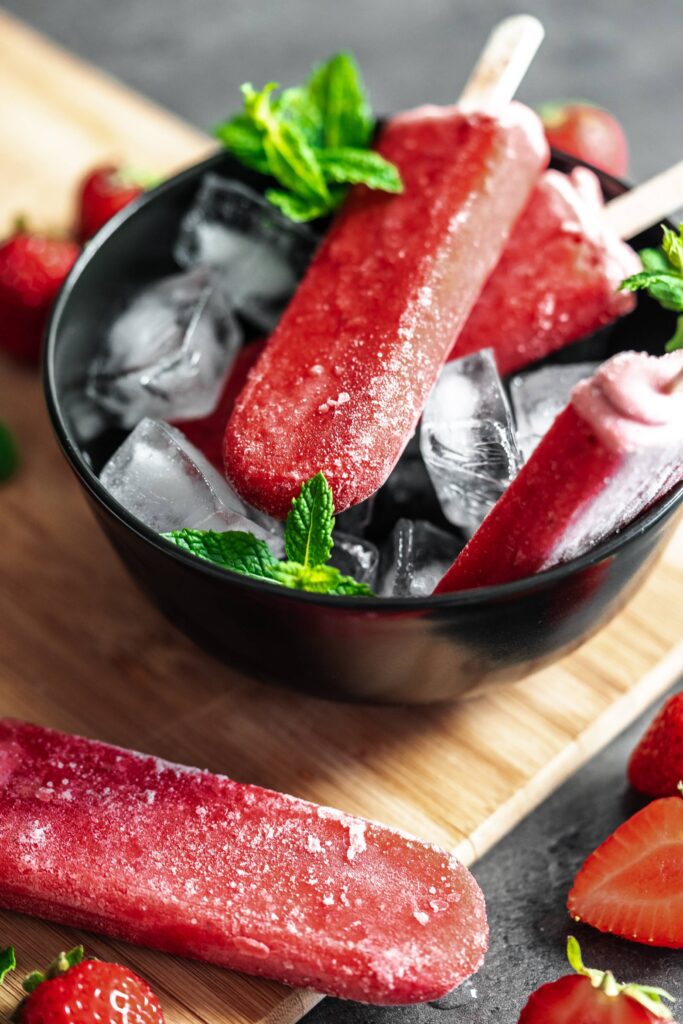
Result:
{"points": [[355, 557], [539, 395], [467, 439], [415, 558], [167, 355], [166, 483], [259, 253]]}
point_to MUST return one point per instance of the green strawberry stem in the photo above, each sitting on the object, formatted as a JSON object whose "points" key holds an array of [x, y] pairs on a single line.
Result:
{"points": [[63, 963], [646, 995]]}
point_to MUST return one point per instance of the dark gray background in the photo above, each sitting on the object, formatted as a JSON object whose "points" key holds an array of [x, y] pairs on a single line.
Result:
{"points": [[192, 55]]}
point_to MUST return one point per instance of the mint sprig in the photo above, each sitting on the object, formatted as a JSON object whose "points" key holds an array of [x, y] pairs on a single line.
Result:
{"points": [[9, 456], [313, 139], [7, 962], [308, 544], [662, 278]]}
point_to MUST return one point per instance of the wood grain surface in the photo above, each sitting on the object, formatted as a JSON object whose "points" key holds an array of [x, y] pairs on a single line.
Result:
{"points": [[82, 650]]}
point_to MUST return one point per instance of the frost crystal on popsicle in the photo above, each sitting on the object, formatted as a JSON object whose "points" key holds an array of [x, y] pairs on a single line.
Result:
{"points": [[198, 865]]}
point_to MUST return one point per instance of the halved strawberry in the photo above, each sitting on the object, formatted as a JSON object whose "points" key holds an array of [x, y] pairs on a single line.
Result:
{"points": [[632, 885], [593, 997], [656, 765]]}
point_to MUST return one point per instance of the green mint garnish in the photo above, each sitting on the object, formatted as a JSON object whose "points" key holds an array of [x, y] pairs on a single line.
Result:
{"points": [[662, 278], [7, 962], [313, 139], [9, 456], [308, 544]]}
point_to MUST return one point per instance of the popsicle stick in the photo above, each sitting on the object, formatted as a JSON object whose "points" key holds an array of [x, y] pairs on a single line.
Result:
{"points": [[506, 57], [632, 212]]}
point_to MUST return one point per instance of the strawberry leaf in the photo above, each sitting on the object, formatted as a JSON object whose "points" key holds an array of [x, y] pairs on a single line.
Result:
{"points": [[9, 456]]}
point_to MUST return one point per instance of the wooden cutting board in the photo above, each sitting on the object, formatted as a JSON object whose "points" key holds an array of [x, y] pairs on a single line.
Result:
{"points": [[82, 650]]}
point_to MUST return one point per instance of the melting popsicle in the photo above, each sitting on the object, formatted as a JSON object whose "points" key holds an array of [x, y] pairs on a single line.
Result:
{"points": [[344, 378], [557, 279], [614, 450], [198, 865]]}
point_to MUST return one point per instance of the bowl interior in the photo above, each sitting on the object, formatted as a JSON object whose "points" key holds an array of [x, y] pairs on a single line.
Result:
{"points": [[137, 248]]}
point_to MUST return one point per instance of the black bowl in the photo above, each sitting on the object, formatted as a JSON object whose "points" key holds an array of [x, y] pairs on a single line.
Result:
{"points": [[379, 650]]}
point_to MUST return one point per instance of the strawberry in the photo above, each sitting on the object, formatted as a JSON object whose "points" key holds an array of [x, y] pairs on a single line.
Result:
{"points": [[656, 765], [593, 997], [75, 989], [588, 132], [32, 270], [103, 192], [632, 886]]}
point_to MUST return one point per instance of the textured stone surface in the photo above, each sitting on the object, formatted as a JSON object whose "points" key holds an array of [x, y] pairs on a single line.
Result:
{"points": [[526, 879], [192, 57]]}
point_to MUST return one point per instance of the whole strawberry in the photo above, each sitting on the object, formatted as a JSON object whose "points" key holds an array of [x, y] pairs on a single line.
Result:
{"points": [[32, 270], [593, 997], [656, 765], [74, 990], [588, 132], [103, 192]]}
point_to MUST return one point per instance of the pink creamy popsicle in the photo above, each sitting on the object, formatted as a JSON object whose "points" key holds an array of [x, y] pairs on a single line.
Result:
{"points": [[557, 279], [198, 865], [615, 449]]}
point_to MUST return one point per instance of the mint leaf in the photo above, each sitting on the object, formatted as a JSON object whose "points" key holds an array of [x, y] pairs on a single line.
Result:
{"points": [[313, 139], [308, 531], [677, 341], [9, 456], [662, 278], [338, 91], [290, 158], [299, 209], [666, 288], [360, 167], [298, 106], [672, 244], [318, 579], [7, 962], [240, 551], [244, 140]]}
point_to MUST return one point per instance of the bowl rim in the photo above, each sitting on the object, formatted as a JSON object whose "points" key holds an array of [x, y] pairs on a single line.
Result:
{"points": [[501, 592]]}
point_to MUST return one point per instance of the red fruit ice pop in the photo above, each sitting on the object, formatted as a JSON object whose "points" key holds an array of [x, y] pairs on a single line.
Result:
{"points": [[198, 865], [557, 279], [615, 449], [345, 376]]}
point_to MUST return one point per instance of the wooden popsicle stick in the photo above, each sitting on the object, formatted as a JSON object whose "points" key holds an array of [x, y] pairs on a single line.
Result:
{"points": [[504, 61], [644, 205]]}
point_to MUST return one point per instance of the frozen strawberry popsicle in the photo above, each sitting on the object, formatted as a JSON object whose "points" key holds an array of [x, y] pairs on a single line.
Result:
{"points": [[557, 279], [615, 449], [198, 865]]}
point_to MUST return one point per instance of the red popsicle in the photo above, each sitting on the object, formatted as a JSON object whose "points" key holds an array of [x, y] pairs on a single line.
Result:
{"points": [[195, 864], [615, 449], [345, 376], [557, 279]]}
